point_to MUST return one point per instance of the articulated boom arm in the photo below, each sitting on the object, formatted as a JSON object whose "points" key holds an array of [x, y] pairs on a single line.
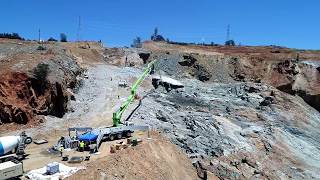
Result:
{"points": [[116, 117]]}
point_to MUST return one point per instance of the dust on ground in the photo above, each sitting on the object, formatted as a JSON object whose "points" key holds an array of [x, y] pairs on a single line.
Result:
{"points": [[155, 158]]}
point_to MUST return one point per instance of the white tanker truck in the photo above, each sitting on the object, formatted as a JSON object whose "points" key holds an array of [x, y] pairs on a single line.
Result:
{"points": [[11, 155]]}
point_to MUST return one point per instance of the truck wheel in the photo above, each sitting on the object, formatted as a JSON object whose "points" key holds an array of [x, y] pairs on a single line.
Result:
{"points": [[111, 137], [119, 136], [128, 134], [28, 140]]}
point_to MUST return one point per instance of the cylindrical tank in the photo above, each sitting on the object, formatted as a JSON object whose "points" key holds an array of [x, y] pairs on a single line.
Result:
{"points": [[8, 143]]}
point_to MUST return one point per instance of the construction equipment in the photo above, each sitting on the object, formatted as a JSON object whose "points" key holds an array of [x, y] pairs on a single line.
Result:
{"points": [[123, 84], [116, 117], [94, 137], [71, 141], [14, 146], [11, 155]]}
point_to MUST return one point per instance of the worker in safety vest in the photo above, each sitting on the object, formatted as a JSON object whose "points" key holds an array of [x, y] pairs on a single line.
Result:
{"points": [[81, 146], [61, 149]]}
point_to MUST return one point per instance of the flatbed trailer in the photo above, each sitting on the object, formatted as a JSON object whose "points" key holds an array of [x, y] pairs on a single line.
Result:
{"points": [[112, 133]]}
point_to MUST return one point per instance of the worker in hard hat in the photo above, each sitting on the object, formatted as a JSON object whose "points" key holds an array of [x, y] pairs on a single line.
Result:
{"points": [[81, 146], [61, 149]]}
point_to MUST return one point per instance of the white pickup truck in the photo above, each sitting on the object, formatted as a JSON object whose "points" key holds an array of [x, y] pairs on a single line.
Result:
{"points": [[11, 155]]}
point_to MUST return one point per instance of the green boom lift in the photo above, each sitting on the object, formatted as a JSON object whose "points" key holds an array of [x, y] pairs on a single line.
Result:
{"points": [[116, 117]]}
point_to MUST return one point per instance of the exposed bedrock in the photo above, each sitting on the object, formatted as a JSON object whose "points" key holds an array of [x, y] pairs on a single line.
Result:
{"points": [[41, 91], [296, 77], [238, 130]]}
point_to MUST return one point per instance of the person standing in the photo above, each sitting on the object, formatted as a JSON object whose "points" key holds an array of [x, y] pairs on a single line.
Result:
{"points": [[61, 149], [81, 146]]}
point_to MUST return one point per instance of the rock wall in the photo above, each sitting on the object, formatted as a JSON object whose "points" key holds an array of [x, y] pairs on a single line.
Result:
{"points": [[22, 97], [14, 89], [239, 130], [296, 77], [246, 116], [36, 83]]}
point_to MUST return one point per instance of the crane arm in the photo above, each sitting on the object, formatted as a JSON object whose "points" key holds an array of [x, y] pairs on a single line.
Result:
{"points": [[116, 117]]}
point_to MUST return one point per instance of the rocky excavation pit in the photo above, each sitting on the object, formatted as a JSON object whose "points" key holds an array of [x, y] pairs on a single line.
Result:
{"points": [[240, 113]]}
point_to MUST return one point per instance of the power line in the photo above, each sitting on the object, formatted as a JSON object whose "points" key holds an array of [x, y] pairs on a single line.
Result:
{"points": [[139, 30]]}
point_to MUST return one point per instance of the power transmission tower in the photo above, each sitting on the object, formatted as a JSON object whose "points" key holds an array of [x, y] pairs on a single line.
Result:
{"points": [[39, 38], [79, 29], [228, 33]]}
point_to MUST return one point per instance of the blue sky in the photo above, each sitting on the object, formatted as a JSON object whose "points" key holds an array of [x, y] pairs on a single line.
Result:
{"points": [[292, 23]]}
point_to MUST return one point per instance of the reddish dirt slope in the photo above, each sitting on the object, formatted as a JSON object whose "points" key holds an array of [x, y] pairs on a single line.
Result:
{"points": [[34, 82], [14, 92]]}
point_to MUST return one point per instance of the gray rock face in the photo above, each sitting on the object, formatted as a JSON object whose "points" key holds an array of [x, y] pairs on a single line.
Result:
{"points": [[238, 131], [187, 60]]}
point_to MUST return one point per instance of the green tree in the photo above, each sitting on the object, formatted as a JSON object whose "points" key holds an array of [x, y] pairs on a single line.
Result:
{"points": [[41, 72], [52, 39], [63, 37]]}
